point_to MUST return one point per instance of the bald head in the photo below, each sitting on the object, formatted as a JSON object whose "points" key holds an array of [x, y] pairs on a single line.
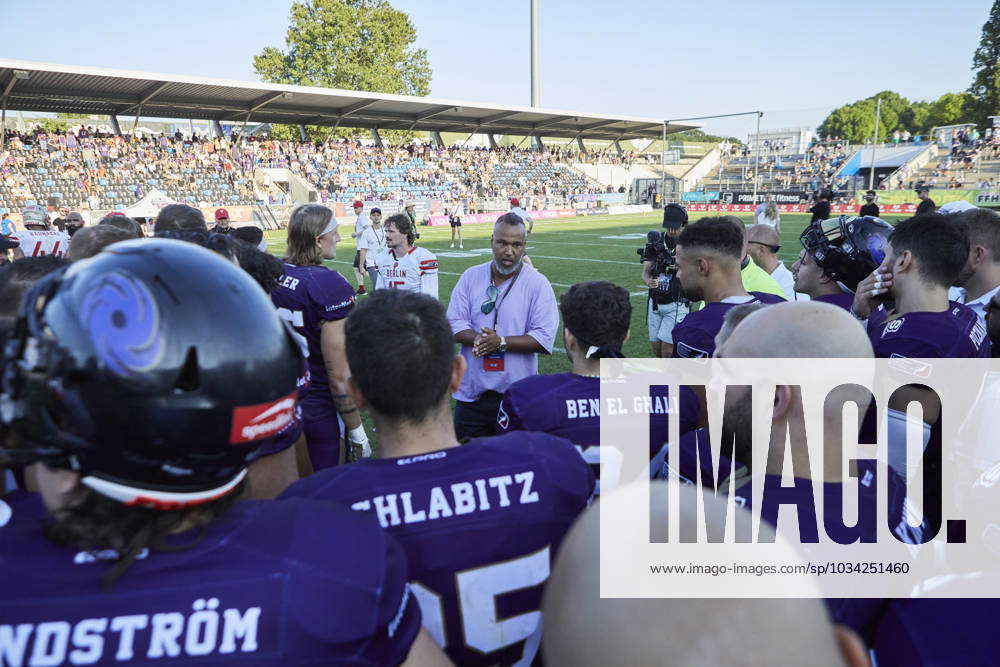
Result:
{"points": [[764, 234], [799, 330], [581, 629]]}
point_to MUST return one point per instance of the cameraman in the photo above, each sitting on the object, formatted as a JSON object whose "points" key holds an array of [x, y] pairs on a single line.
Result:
{"points": [[666, 303]]}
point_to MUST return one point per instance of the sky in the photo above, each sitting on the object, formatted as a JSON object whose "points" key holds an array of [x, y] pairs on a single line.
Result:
{"points": [[663, 59]]}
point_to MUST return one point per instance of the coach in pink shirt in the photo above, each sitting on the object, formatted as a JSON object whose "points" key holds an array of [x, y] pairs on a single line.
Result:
{"points": [[503, 313]]}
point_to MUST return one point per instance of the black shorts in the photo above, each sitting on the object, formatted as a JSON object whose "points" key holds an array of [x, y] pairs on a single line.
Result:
{"points": [[357, 259], [455, 221]]}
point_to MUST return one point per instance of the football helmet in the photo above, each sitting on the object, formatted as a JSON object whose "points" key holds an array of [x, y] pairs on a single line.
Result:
{"points": [[847, 248], [155, 369]]}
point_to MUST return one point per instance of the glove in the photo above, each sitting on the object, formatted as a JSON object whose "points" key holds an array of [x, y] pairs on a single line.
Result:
{"points": [[360, 448]]}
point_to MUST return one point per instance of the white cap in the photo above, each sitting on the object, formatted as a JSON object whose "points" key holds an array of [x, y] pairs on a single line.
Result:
{"points": [[953, 207]]}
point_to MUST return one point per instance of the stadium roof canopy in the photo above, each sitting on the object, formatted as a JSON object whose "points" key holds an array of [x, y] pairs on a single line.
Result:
{"points": [[91, 90]]}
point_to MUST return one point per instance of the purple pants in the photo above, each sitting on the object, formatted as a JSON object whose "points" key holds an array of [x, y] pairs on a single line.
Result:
{"points": [[323, 429]]}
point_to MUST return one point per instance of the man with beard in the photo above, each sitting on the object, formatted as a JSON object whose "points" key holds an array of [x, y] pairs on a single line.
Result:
{"points": [[979, 280], [503, 313], [708, 266]]}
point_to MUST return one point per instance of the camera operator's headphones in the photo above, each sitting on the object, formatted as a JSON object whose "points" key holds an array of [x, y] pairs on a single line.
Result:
{"points": [[674, 216]]}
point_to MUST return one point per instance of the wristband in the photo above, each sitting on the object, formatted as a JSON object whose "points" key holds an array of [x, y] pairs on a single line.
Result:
{"points": [[358, 435]]}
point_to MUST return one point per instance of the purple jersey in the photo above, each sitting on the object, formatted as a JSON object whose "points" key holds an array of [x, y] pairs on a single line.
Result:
{"points": [[569, 406], [480, 524], [843, 299], [694, 336], [778, 497], [955, 333], [306, 297], [257, 587], [939, 631], [22, 507], [694, 455]]}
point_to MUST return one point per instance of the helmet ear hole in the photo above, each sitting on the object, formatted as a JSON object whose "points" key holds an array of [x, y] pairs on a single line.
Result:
{"points": [[188, 379]]}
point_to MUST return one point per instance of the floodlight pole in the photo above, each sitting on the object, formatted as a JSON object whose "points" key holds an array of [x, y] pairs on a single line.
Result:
{"points": [[871, 168], [663, 166], [756, 162], [535, 79]]}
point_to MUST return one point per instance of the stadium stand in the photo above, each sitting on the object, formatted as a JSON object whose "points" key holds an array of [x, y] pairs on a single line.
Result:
{"points": [[82, 168], [104, 171]]}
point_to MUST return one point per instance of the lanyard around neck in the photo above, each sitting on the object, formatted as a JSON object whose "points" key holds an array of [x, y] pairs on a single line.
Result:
{"points": [[503, 297]]}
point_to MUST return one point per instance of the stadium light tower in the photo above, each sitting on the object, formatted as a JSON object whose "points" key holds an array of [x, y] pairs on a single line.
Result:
{"points": [[535, 82]]}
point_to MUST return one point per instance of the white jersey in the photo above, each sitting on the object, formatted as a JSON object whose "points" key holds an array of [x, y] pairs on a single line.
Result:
{"points": [[521, 213], [38, 243], [361, 223], [416, 271], [372, 240]]}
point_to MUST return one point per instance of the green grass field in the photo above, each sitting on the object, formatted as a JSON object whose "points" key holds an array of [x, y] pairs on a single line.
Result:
{"points": [[567, 251]]}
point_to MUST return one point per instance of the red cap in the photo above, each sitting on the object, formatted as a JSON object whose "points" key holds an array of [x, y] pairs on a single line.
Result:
{"points": [[514, 201], [358, 203], [221, 214]]}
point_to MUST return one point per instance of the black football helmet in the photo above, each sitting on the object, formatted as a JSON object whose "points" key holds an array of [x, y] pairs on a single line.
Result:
{"points": [[847, 248], [156, 369]]}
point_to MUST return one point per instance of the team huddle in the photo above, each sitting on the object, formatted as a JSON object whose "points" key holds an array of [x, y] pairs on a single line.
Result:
{"points": [[188, 477]]}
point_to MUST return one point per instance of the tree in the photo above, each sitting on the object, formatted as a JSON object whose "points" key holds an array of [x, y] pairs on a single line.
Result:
{"points": [[985, 86], [915, 118], [854, 122], [364, 45], [949, 109]]}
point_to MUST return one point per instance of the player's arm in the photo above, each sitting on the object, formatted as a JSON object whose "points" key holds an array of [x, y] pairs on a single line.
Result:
{"points": [[362, 249], [429, 276], [332, 343]]}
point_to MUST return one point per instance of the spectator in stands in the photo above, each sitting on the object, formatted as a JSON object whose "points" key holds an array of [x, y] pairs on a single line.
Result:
{"points": [[89, 241], [122, 221], [221, 222], [179, 217], [821, 209], [869, 207], [502, 335], [926, 205], [763, 244]]}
